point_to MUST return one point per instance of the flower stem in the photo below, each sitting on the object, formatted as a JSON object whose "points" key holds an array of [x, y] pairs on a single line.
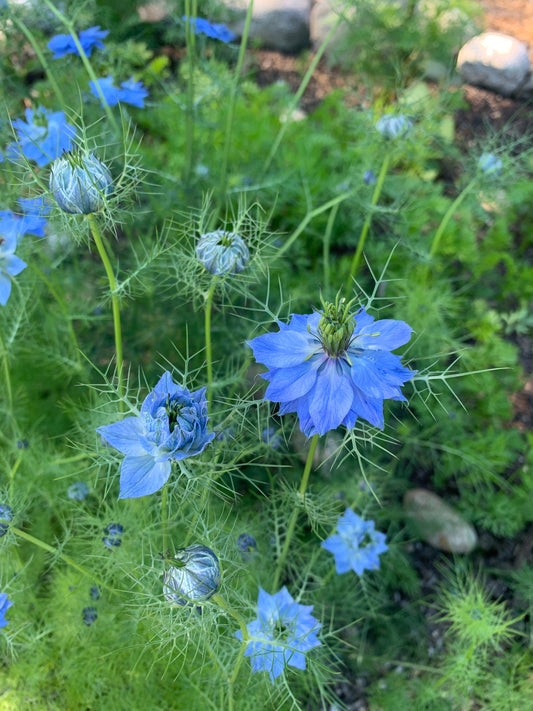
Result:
{"points": [[208, 349], [295, 511], [244, 631], [356, 261], [164, 515], [12, 473], [447, 217], [7, 374], [190, 41], [50, 549], [95, 230]]}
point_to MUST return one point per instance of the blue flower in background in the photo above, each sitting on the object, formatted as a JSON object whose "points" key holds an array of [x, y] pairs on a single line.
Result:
{"points": [[356, 545], [247, 546], [172, 426], [15, 225], [369, 178], [35, 207], [42, 137], [89, 615], [271, 436], [113, 532], [4, 605], [490, 164], [333, 366], [61, 45], [6, 516], [282, 633], [78, 491], [10, 265], [222, 252], [132, 92], [211, 29], [391, 126]]}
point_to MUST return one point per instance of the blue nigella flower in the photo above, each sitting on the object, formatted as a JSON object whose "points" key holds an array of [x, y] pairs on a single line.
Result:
{"points": [[61, 45], [222, 252], [211, 29], [247, 546], [172, 426], [78, 491], [16, 226], [282, 633], [333, 366], [490, 164], [113, 532], [6, 516], [42, 137], [271, 436], [10, 265], [5, 604], [95, 592], [194, 577], [391, 126], [369, 178], [89, 615], [23, 444], [131, 91], [80, 183], [356, 545]]}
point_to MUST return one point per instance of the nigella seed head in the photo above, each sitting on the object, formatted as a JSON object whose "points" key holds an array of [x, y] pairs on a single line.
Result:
{"points": [[6, 516], [222, 252], [193, 577], [80, 183], [89, 615]]}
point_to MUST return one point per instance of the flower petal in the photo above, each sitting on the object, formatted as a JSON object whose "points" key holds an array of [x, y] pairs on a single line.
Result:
{"points": [[282, 349], [331, 398], [291, 383], [141, 476], [124, 436], [385, 335]]}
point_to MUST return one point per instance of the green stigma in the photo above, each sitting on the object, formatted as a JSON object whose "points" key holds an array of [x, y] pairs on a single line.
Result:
{"points": [[173, 410], [336, 327]]}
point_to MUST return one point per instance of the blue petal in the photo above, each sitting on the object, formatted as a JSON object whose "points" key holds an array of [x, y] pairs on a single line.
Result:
{"points": [[297, 660], [391, 334], [366, 376], [124, 436], [282, 349], [331, 398], [291, 383], [5, 288], [371, 409], [141, 476]]}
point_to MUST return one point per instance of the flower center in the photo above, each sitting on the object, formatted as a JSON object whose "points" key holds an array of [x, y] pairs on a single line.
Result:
{"points": [[336, 327], [227, 239], [173, 411]]}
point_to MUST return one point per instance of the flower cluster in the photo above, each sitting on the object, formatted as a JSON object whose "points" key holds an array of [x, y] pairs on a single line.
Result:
{"points": [[172, 426], [130, 92], [80, 183], [356, 545], [210, 29], [42, 137], [282, 633], [333, 366], [222, 252], [193, 577], [61, 45]]}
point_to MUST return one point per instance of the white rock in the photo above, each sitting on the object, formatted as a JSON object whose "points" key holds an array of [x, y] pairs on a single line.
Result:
{"points": [[277, 24], [496, 61]]}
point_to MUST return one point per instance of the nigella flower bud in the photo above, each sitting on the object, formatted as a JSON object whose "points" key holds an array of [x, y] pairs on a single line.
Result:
{"points": [[195, 578], [489, 164], [391, 126], [369, 178], [6, 516], [222, 252], [112, 539], [80, 183], [78, 491], [247, 546], [89, 615]]}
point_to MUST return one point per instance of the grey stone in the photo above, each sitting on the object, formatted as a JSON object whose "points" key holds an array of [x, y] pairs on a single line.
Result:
{"points": [[276, 24], [437, 523], [496, 61]]}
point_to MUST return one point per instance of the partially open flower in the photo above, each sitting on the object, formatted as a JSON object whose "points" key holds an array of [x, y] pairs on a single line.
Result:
{"points": [[391, 126], [195, 577], [222, 252], [6, 516], [80, 183]]}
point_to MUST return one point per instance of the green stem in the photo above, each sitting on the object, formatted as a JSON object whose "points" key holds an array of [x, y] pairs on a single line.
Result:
{"points": [[164, 516], [299, 93], [295, 511], [12, 473], [50, 549], [219, 600], [447, 217], [95, 230], [7, 374], [40, 56], [364, 232], [326, 245], [232, 99], [190, 41], [208, 348]]}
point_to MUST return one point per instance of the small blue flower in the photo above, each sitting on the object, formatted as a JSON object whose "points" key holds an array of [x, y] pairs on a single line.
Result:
{"points": [[95, 592], [42, 137], [10, 265], [222, 252], [271, 436], [80, 183], [89, 615], [5, 604], [490, 164], [211, 29], [23, 444], [391, 126], [61, 45], [194, 578], [6, 516], [78, 491], [356, 545], [333, 366], [281, 635], [247, 546], [132, 92], [172, 426], [369, 178], [16, 226], [112, 538]]}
